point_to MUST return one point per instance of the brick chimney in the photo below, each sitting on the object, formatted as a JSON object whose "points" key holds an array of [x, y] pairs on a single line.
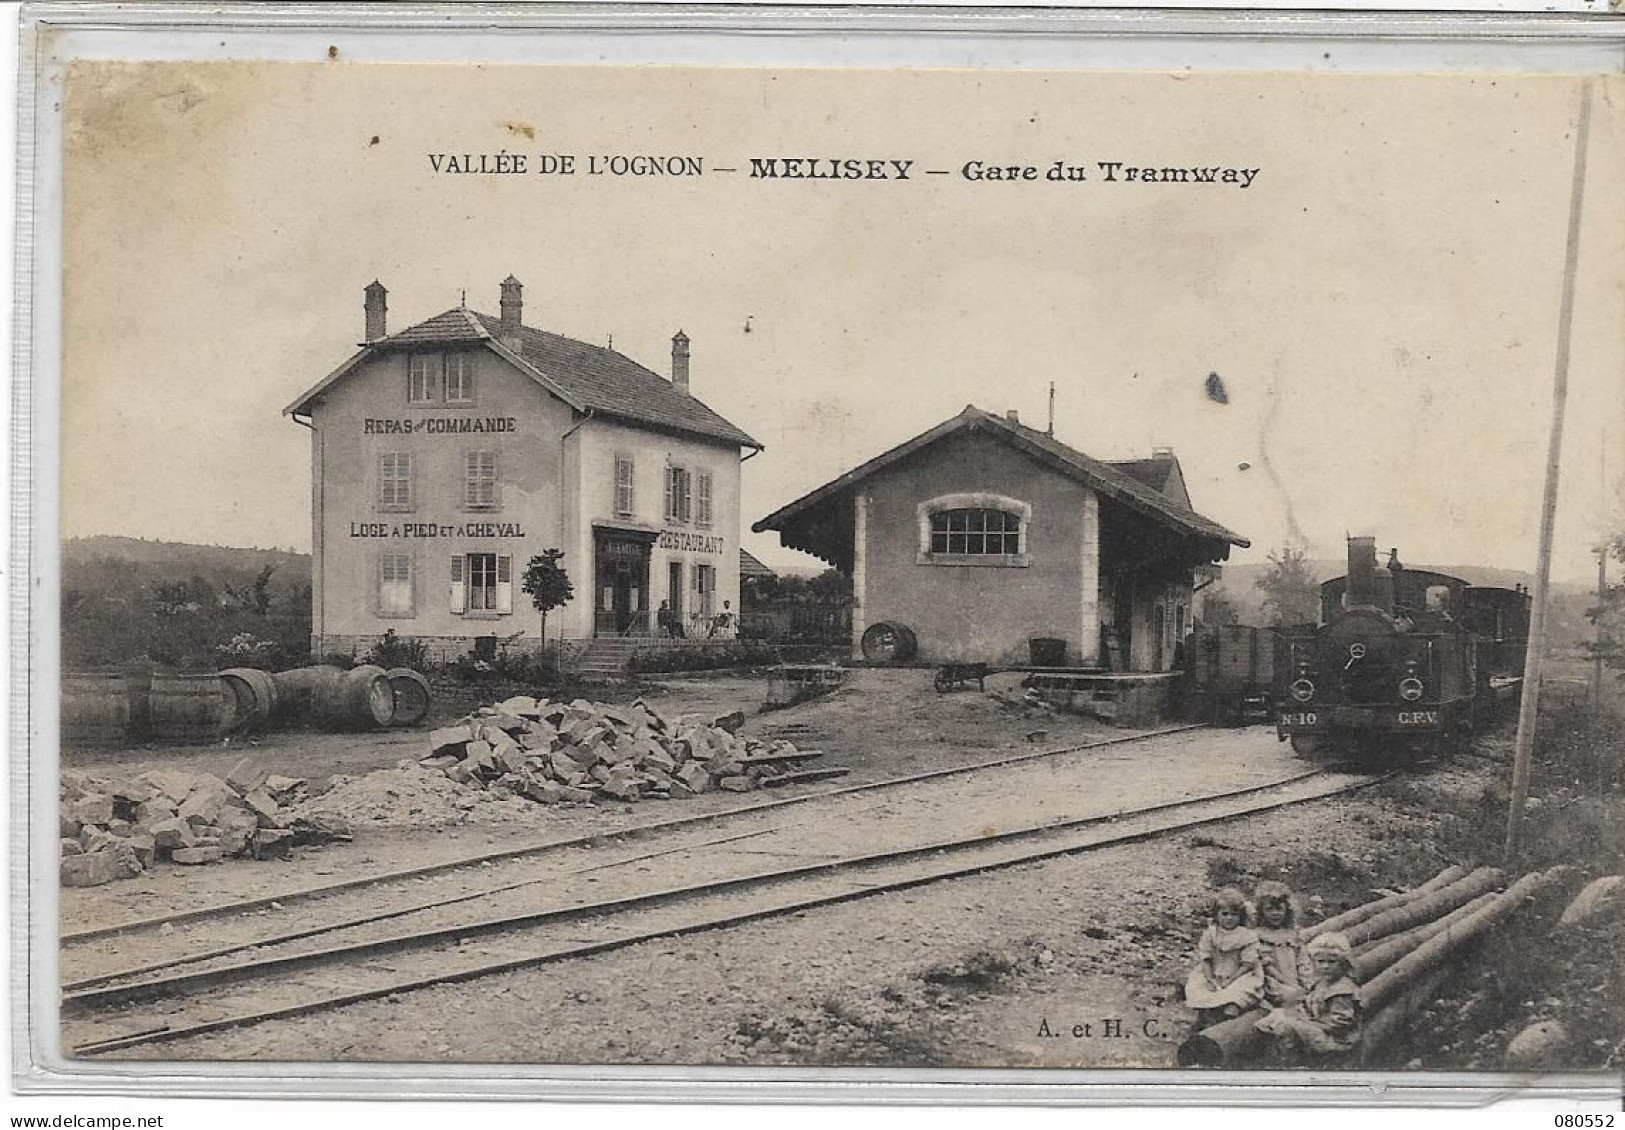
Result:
{"points": [[1013, 416], [513, 305], [376, 307], [679, 361]]}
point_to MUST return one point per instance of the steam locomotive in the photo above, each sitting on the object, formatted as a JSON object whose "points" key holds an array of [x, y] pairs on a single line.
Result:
{"points": [[1400, 656]]}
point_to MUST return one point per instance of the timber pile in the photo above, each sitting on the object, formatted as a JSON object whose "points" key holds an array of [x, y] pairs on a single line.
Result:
{"points": [[118, 828], [1404, 945], [580, 752]]}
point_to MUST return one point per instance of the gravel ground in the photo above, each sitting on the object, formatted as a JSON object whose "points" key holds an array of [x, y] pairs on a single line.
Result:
{"points": [[423, 824], [967, 972], [1072, 962]]}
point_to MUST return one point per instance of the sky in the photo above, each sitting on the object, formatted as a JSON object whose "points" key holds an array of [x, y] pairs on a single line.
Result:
{"points": [[1380, 302]]}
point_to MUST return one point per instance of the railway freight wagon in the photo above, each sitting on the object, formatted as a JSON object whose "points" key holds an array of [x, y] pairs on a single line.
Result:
{"points": [[1399, 654], [1230, 670]]}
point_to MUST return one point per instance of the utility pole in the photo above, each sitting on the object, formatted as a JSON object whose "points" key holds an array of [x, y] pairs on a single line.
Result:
{"points": [[1529, 704], [1602, 587]]}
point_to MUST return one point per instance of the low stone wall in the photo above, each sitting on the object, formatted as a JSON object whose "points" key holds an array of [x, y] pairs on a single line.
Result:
{"points": [[1126, 700], [440, 649]]}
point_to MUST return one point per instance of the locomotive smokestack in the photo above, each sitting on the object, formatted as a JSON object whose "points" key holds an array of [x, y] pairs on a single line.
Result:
{"points": [[1362, 578]]}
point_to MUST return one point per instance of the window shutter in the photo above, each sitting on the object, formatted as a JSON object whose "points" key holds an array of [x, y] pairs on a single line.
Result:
{"points": [[504, 583], [685, 496], [459, 591], [704, 515], [378, 596], [671, 492]]}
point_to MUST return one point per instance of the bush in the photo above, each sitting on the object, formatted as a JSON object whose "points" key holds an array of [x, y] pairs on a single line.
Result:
{"points": [[528, 668], [393, 651]]}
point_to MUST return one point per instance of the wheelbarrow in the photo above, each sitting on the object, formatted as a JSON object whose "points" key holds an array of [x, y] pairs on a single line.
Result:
{"points": [[959, 676]]}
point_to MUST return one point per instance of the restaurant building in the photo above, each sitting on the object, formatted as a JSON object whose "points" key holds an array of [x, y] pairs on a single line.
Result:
{"points": [[448, 455]]}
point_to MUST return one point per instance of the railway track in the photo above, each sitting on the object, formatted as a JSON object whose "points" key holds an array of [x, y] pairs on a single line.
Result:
{"points": [[585, 904], [69, 939]]}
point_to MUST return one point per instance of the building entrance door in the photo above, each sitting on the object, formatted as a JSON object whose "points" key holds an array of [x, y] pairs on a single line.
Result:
{"points": [[674, 596], [621, 586]]}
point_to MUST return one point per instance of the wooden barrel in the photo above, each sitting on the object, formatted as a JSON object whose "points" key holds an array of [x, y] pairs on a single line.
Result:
{"points": [[358, 699], [412, 697], [888, 642], [95, 708], [254, 694], [191, 708]]}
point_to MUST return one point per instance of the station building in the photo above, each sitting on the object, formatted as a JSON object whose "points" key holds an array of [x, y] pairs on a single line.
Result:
{"points": [[982, 535], [447, 455]]}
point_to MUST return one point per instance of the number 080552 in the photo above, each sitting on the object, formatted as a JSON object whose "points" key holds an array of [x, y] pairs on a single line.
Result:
{"points": [[1582, 1121]]}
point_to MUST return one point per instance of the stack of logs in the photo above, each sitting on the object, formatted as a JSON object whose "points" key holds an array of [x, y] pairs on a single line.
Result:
{"points": [[578, 752], [1404, 947]]}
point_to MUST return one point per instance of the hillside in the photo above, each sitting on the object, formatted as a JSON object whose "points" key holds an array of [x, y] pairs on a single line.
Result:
{"points": [[182, 605]]}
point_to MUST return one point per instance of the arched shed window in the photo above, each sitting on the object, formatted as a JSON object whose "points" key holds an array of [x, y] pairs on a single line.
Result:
{"points": [[973, 529]]}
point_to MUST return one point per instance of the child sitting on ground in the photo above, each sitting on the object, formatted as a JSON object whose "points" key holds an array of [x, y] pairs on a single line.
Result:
{"points": [[1228, 978], [1288, 972], [1326, 1022]]}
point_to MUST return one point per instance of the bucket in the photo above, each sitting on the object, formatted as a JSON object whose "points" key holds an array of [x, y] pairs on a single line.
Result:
{"points": [[1047, 652], [887, 642], [358, 699], [254, 696], [191, 708], [95, 709], [412, 697]]}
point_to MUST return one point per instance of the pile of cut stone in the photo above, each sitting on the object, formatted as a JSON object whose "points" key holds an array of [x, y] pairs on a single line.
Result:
{"points": [[117, 828], [582, 751]]}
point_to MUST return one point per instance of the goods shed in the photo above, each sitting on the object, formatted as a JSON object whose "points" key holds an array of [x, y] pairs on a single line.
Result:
{"points": [[982, 535]]}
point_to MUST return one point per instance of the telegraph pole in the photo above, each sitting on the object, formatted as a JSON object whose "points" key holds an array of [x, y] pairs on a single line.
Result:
{"points": [[1602, 587], [1529, 704]]}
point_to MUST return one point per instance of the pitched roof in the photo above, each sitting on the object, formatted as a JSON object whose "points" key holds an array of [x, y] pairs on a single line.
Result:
{"points": [[1152, 472], [750, 567], [1106, 479], [586, 377]]}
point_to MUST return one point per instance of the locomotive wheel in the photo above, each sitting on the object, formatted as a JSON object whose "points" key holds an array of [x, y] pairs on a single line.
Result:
{"points": [[1306, 746]]}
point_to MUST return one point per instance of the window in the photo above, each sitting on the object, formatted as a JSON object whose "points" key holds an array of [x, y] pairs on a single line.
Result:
{"points": [[679, 495], [480, 481], [395, 584], [702, 496], [975, 531], [423, 372], [395, 481], [482, 583], [623, 486], [460, 378]]}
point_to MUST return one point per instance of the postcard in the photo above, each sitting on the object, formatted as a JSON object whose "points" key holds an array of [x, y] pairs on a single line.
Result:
{"points": [[775, 570]]}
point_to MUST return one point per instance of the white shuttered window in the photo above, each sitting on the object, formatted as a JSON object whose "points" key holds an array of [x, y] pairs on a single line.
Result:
{"points": [[480, 481], [395, 480], [395, 584], [624, 500], [702, 498], [490, 582]]}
